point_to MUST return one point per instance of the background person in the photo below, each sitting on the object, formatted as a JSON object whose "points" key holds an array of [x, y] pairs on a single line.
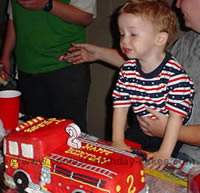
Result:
{"points": [[39, 31]]}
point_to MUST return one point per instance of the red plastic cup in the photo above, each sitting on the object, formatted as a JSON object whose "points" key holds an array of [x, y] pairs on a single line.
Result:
{"points": [[9, 108]]}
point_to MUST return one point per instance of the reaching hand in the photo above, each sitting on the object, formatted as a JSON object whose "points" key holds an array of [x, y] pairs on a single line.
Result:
{"points": [[121, 146], [157, 160], [79, 53], [153, 127], [6, 64]]}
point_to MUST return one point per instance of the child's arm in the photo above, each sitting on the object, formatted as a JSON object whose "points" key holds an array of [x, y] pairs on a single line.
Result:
{"points": [[119, 123], [159, 159]]}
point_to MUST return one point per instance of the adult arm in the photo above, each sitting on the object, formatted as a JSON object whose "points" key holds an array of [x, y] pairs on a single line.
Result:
{"points": [[188, 133], [82, 52], [9, 45], [64, 11]]}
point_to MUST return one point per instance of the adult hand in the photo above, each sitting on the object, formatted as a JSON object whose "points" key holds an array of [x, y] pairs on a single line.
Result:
{"points": [[80, 53], [6, 64], [32, 4], [153, 127]]}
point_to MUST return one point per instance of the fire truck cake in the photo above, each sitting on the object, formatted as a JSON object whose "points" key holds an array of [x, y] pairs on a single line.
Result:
{"points": [[52, 156]]}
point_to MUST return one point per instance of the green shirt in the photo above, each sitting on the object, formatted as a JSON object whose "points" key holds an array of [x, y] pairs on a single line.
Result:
{"points": [[41, 37]]}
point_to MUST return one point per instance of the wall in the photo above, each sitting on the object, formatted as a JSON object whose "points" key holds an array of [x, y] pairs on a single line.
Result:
{"points": [[99, 104], [101, 74]]}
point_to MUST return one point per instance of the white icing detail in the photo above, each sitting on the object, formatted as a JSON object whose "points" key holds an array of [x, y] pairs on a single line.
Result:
{"points": [[45, 176], [98, 184], [90, 137], [78, 164], [13, 148], [71, 176], [9, 181], [27, 150], [19, 181], [74, 132], [29, 190], [109, 148]]}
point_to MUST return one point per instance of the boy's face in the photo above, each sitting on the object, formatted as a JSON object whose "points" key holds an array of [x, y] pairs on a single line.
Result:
{"points": [[137, 36], [190, 10]]}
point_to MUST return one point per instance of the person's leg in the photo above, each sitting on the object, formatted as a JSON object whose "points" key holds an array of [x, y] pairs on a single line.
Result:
{"points": [[70, 87], [61, 94], [35, 97]]}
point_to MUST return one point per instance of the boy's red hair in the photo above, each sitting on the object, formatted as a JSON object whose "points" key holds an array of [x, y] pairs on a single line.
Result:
{"points": [[156, 11]]}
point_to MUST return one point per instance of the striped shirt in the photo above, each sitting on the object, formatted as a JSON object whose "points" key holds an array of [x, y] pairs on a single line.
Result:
{"points": [[168, 87]]}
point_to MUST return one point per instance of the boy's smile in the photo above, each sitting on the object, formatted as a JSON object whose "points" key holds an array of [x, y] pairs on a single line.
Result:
{"points": [[139, 39], [137, 36]]}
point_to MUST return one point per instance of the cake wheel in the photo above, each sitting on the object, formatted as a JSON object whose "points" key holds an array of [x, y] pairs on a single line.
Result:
{"points": [[21, 181]]}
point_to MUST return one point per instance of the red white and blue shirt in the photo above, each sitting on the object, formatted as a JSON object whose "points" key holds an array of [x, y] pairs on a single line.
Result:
{"points": [[167, 88]]}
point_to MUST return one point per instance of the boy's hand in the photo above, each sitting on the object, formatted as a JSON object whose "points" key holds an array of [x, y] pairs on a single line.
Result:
{"points": [[157, 160], [122, 146]]}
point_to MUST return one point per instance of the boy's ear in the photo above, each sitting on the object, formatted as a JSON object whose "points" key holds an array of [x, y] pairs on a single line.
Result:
{"points": [[161, 39]]}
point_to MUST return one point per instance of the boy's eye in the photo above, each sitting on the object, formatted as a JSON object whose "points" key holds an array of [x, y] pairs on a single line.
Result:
{"points": [[133, 34]]}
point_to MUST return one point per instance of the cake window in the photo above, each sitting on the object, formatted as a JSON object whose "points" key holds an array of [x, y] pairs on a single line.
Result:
{"points": [[13, 148], [27, 150]]}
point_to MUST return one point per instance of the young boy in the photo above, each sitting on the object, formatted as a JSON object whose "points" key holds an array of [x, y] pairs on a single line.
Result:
{"points": [[151, 77]]}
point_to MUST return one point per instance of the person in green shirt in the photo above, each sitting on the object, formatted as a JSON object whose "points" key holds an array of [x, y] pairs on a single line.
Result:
{"points": [[39, 31]]}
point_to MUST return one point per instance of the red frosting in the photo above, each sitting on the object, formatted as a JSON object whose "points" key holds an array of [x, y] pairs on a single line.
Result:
{"points": [[38, 154]]}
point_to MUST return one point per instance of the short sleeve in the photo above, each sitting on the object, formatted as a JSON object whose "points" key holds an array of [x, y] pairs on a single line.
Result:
{"points": [[88, 6], [181, 94], [120, 94]]}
